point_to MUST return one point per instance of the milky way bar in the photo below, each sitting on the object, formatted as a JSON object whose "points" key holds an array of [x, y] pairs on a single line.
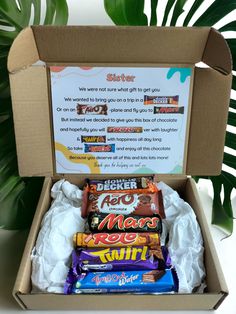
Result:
{"points": [[120, 239], [124, 129], [99, 222], [134, 185], [120, 258], [92, 109], [168, 110], [118, 281], [99, 148], [159, 100]]}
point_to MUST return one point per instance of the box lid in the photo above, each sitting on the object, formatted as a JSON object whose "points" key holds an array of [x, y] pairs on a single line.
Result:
{"points": [[119, 45]]}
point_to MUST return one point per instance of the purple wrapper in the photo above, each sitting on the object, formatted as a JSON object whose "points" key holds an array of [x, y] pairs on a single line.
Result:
{"points": [[120, 258], [83, 263]]}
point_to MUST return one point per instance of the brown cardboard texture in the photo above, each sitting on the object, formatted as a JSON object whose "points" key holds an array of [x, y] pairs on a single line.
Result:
{"points": [[127, 45], [76, 45]]}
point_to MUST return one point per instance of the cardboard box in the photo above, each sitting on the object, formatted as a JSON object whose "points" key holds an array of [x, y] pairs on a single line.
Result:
{"points": [[120, 46]]}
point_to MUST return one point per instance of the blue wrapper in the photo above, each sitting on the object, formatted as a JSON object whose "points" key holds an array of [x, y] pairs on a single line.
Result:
{"points": [[99, 148], [142, 281]]}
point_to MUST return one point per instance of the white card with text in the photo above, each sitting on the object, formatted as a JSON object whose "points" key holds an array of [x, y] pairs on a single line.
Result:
{"points": [[120, 120]]}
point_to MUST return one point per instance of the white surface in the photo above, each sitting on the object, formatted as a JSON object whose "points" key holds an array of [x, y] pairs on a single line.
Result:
{"points": [[91, 12]]}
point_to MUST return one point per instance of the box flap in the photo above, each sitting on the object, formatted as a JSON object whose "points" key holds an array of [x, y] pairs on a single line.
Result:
{"points": [[119, 45], [217, 53], [23, 51], [70, 44]]}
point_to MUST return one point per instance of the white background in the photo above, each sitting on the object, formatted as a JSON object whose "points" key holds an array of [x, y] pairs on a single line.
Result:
{"points": [[91, 12]]}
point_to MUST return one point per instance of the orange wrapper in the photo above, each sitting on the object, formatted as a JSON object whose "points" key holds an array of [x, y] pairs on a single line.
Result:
{"points": [[120, 239]]}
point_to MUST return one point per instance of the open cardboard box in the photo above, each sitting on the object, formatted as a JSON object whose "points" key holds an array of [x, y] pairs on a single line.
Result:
{"points": [[33, 128]]}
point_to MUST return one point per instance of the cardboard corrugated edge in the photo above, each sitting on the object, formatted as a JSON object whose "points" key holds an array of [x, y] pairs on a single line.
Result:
{"points": [[23, 51], [21, 278], [224, 288]]}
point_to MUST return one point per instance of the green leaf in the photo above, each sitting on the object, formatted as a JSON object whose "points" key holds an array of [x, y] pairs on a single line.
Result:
{"points": [[232, 118], [232, 45], [215, 12], [193, 9], [232, 103], [18, 201], [178, 10], [153, 20], [168, 8], [220, 216], [229, 183], [18, 196], [5, 107], [228, 27], [229, 160], [230, 140], [126, 12], [234, 83], [19, 18]]}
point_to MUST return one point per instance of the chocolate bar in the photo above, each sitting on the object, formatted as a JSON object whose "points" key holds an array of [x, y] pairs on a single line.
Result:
{"points": [[124, 129], [99, 148], [120, 239], [93, 139], [143, 204], [120, 258], [132, 185], [91, 109], [118, 281], [153, 276], [99, 222], [154, 100], [168, 110]]}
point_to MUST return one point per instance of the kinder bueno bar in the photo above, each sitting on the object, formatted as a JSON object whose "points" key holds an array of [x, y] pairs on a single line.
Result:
{"points": [[93, 139], [168, 110], [91, 109], [131, 185], [99, 222], [120, 258], [143, 204], [119, 281], [121, 239], [124, 129], [155, 100], [96, 148]]}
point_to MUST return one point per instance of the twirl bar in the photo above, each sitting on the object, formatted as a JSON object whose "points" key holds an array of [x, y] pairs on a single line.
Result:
{"points": [[121, 239], [120, 258]]}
